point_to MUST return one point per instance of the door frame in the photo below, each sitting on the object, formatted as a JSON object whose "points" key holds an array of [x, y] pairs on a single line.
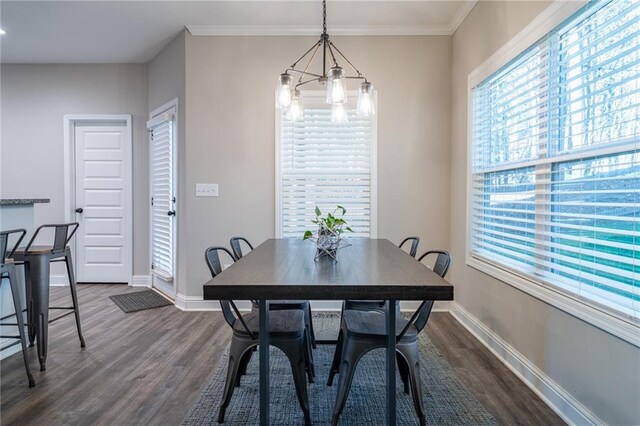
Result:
{"points": [[70, 121], [171, 291]]}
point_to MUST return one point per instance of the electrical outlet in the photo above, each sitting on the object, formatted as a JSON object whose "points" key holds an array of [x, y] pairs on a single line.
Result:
{"points": [[206, 189]]}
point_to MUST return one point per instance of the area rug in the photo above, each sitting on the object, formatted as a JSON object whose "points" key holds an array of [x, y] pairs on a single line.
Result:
{"points": [[139, 301], [446, 400]]}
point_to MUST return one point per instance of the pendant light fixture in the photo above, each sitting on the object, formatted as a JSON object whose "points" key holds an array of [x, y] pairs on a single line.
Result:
{"points": [[332, 74]]}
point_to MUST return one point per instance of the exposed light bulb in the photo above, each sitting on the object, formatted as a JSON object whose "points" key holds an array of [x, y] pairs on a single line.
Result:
{"points": [[366, 106], [284, 91], [336, 86], [296, 110], [339, 114], [2, 32]]}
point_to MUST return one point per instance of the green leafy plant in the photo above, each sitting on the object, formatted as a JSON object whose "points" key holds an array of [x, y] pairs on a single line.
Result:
{"points": [[331, 223]]}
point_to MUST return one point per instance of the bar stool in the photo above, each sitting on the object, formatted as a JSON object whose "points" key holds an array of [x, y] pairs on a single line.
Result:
{"points": [[37, 262], [8, 271]]}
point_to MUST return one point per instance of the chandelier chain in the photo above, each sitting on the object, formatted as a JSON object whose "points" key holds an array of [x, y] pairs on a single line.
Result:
{"points": [[324, 16]]}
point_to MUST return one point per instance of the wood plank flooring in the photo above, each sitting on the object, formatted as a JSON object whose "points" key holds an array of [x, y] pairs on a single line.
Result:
{"points": [[148, 367]]}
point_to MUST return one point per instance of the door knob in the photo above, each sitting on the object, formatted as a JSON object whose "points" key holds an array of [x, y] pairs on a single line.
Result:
{"points": [[171, 213], [79, 210]]}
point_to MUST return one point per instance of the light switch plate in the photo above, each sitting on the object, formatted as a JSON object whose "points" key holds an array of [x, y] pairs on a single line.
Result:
{"points": [[206, 189]]}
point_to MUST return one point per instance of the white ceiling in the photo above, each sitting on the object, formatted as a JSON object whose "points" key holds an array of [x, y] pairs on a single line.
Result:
{"points": [[135, 31]]}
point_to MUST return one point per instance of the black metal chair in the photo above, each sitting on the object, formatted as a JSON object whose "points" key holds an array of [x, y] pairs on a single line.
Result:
{"points": [[8, 271], [363, 331], [279, 305], [37, 260], [286, 332], [378, 305], [415, 241]]}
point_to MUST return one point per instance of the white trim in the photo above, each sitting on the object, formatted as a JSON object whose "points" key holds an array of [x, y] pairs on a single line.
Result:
{"points": [[338, 30], [549, 19], [69, 122], [141, 281], [555, 396]]}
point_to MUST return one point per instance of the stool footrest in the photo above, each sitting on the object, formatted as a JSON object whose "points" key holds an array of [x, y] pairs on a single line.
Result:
{"points": [[10, 337], [55, 307], [8, 324], [61, 316]]}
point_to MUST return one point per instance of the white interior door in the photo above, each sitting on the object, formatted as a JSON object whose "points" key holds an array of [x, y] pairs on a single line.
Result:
{"points": [[163, 201], [103, 202]]}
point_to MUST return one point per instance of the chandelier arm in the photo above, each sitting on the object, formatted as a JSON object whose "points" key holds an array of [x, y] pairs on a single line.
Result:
{"points": [[345, 58], [313, 55], [315, 46], [356, 77], [335, 62], [305, 73], [305, 82]]}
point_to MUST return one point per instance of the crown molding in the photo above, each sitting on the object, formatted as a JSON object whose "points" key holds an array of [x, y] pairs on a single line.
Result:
{"points": [[337, 30]]}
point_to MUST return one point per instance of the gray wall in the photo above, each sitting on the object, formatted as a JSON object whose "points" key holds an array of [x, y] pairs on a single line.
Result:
{"points": [[598, 369], [34, 100], [166, 79], [230, 136]]}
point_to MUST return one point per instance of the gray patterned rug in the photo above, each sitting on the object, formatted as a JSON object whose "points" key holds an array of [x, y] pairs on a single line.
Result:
{"points": [[446, 400], [139, 301]]}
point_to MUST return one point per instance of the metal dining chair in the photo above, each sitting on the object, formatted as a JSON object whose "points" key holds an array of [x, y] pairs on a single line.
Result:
{"points": [[8, 272], [378, 305], [279, 305], [287, 332], [37, 260], [363, 331]]}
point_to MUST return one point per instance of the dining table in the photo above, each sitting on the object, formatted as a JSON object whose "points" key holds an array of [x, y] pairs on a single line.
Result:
{"points": [[367, 269]]}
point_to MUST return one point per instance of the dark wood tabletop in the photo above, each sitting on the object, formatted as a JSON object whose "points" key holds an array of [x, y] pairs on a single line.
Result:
{"points": [[370, 269]]}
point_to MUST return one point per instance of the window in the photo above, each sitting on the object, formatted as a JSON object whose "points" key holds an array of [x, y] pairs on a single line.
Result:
{"points": [[555, 161], [325, 164]]}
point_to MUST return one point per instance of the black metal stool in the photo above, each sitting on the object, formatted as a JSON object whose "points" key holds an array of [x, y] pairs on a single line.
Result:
{"points": [[37, 260], [8, 271]]}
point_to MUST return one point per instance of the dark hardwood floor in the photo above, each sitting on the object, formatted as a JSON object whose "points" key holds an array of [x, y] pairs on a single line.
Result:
{"points": [[148, 367]]}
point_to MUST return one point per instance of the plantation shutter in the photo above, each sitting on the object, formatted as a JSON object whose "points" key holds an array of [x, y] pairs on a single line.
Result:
{"points": [[326, 164], [162, 195]]}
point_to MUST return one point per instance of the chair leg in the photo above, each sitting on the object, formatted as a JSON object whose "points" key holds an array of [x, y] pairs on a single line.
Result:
{"points": [[312, 331], [335, 364], [352, 351], [31, 321], [236, 352], [15, 292], [294, 350], [244, 362], [410, 353], [308, 357], [74, 296], [404, 371]]}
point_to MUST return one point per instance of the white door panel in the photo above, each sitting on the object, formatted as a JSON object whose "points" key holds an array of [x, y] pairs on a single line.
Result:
{"points": [[103, 192]]}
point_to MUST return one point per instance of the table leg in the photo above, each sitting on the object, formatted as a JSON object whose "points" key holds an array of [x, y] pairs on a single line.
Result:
{"points": [[391, 362], [264, 362]]}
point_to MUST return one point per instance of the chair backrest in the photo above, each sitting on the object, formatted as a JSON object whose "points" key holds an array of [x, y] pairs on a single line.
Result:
{"points": [[440, 267], [61, 236], [415, 241], [442, 263], [212, 258], [237, 248], [4, 243]]}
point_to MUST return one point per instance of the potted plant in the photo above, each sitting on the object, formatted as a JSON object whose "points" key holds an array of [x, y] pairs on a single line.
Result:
{"points": [[328, 238]]}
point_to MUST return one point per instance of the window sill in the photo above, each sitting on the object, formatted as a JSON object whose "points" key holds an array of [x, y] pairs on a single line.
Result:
{"points": [[605, 321]]}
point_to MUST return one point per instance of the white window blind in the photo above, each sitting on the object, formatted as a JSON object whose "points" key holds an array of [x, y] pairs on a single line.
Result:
{"points": [[326, 164], [555, 180], [162, 193]]}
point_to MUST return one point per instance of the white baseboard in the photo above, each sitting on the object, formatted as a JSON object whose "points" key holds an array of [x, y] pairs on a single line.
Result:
{"points": [[556, 397], [58, 280], [141, 281]]}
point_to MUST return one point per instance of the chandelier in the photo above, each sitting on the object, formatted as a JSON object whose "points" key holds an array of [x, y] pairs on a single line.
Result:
{"points": [[334, 76]]}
